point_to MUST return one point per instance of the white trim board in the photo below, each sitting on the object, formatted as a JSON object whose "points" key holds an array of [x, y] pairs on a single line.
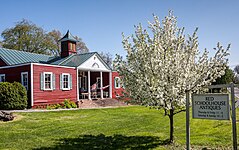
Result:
{"points": [[53, 65], [31, 71], [3, 67], [93, 64]]}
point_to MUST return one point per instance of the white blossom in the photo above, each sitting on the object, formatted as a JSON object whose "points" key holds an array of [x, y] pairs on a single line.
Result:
{"points": [[160, 68]]}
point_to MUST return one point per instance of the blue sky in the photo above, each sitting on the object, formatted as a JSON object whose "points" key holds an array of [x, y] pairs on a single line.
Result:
{"points": [[100, 22]]}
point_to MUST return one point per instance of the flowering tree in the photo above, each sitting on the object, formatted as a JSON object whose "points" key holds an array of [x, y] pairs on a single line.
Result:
{"points": [[159, 69]]}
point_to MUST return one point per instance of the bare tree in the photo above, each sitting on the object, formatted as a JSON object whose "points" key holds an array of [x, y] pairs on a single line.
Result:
{"points": [[107, 57], [236, 69]]}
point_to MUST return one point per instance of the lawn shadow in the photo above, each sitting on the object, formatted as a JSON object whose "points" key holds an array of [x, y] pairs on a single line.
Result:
{"points": [[102, 142]]}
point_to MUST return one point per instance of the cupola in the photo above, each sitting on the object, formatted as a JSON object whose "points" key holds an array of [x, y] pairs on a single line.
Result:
{"points": [[68, 45]]}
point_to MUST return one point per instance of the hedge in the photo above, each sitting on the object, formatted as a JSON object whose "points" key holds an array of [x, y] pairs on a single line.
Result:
{"points": [[12, 96]]}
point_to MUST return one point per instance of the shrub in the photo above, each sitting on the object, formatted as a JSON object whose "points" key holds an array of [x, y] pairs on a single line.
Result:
{"points": [[69, 104], [66, 104], [12, 96]]}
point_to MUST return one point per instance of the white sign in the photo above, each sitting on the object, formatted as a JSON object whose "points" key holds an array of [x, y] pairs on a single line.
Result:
{"points": [[211, 106]]}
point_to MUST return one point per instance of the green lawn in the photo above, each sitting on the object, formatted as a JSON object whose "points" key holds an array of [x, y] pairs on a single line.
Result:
{"points": [[132, 127]]}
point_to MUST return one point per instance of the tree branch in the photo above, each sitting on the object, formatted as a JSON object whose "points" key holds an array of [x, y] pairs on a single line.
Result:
{"points": [[179, 111]]}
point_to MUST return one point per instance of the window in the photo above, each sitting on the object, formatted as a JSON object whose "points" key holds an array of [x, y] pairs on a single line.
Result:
{"points": [[73, 47], [117, 82], [2, 77], [65, 81], [48, 81], [24, 79], [98, 82], [84, 83], [70, 48]]}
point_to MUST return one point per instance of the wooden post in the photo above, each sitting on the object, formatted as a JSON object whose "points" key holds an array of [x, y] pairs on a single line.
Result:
{"points": [[187, 122], [234, 127]]}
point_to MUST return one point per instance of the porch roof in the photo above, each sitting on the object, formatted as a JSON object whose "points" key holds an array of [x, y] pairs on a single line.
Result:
{"points": [[75, 60]]}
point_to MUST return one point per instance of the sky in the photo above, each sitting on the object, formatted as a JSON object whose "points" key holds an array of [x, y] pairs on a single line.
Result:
{"points": [[100, 23]]}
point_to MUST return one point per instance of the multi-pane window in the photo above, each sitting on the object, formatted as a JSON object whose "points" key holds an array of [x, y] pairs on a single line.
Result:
{"points": [[2, 77], [47, 81], [24, 79], [65, 81], [117, 82]]}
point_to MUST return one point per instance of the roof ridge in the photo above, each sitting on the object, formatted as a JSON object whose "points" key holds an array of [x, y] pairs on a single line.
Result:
{"points": [[87, 53]]}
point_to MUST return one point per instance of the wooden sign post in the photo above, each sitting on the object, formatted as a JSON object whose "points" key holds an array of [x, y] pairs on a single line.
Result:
{"points": [[212, 106]]}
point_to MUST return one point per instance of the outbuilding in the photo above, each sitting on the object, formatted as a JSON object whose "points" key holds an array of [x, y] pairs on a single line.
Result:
{"points": [[52, 79]]}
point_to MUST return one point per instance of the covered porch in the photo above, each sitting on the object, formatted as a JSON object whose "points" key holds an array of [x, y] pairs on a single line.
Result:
{"points": [[94, 84]]}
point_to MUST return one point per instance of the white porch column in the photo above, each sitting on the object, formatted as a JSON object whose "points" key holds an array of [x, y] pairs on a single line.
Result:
{"points": [[110, 81], [101, 85], [77, 84], [89, 89]]}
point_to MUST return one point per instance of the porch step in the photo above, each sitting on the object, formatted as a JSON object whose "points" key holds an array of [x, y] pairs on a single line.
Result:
{"points": [[100, 103]]}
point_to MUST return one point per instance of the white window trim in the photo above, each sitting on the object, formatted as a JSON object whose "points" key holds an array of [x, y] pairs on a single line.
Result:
{"points": [[115, 82], [44, 74], [62, 79], [3, 75], [24, 73]]}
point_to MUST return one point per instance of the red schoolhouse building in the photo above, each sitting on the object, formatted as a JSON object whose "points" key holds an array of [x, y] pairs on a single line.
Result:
{"points": [[52, 79]]}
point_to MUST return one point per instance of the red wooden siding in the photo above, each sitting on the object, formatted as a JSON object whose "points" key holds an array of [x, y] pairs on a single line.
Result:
{"points": [[14, 74], [116, 91], [2, 63], [106, 81], [57, 95]]}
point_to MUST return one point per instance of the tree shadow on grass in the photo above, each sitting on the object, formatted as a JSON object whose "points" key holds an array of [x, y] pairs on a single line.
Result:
{"points": [[102, 142]]}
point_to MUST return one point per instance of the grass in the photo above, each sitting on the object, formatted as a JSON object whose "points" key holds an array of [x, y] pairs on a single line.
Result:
{"points": [[114, 128]]}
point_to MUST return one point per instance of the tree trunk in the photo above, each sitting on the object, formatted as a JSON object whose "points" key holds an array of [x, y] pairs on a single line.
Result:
{"points": [[171, 126]]}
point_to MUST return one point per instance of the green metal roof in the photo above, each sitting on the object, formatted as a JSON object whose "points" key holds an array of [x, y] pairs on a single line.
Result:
{"points": [[73, 60], [68, 37], [58, 60], [78, 59], [14, 57]]}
